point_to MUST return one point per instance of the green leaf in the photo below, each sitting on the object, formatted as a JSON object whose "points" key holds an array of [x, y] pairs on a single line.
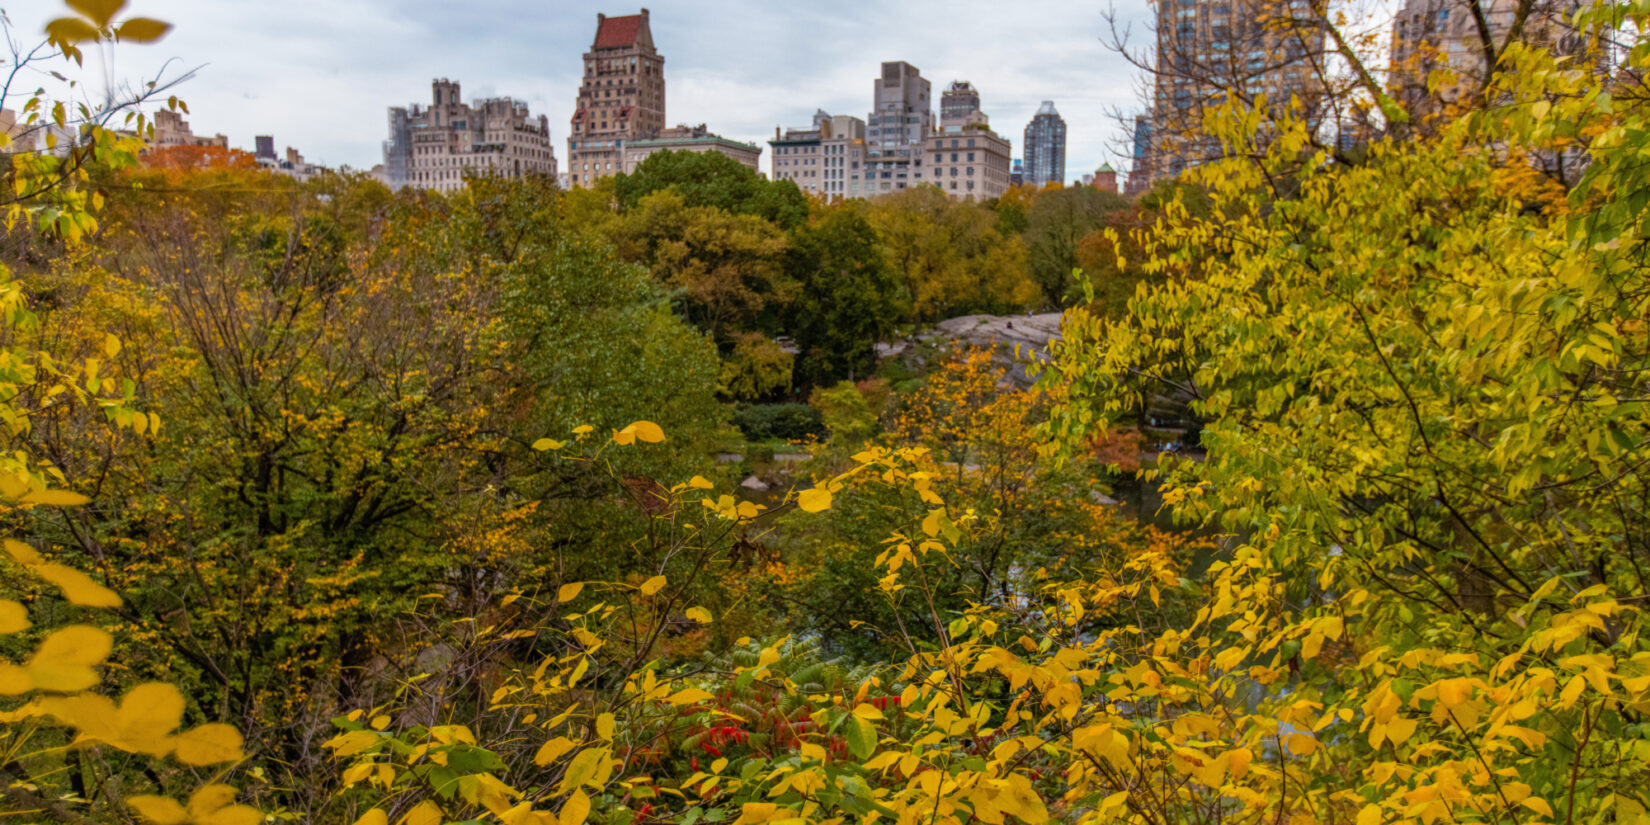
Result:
{"points": [[861, 736]]}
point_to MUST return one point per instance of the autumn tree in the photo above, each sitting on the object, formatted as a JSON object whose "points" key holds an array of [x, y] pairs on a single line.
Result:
{"points": [[1057, 225], [951, 256]]}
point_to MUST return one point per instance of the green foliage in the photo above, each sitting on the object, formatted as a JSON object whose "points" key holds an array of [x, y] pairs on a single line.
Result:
{"points": [[848, 297], [715, 180], [1057, 223], [724, 269], [757, 368], [786, 422]]}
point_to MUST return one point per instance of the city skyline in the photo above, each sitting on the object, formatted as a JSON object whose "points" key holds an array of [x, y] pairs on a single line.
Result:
{"points": [[328, 97]]}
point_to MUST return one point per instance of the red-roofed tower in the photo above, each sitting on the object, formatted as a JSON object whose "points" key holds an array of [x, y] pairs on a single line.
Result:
{"points": [[622, 97]]}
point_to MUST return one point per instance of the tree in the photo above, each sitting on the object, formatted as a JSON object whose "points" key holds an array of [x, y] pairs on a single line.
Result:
{"points": [[725, 268], [713, 179], [848, 298], [1058, 222], [951, 255]]}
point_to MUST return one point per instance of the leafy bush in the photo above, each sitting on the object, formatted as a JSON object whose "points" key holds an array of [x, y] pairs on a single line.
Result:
{"points": [[790, 422]]}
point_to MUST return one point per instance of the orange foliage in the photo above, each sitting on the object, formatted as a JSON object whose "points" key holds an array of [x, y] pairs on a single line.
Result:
{"points": [[199, 158]]}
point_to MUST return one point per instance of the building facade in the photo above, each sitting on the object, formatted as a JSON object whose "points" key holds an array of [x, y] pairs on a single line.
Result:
{"points": [[172, 130], [967, 160], [691, 139], [825, 159], [621, 99], [901, 119], [435, 147], [798, 156], [1428, 35], [842, 152], [970, 163], [1105, 178], [1208, 50], [1045, 147]]}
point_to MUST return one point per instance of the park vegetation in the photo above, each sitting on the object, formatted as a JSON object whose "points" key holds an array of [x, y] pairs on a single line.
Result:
{"points": [[326, 503]]}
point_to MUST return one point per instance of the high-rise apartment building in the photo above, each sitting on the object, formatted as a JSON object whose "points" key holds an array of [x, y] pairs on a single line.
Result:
{"points": [[960, 105], [842, 151], [967, 160], [435, 147], [1140, 171], [1209, 49], [900, 120], [621, 99], [1045, 147], [1428, 35]]}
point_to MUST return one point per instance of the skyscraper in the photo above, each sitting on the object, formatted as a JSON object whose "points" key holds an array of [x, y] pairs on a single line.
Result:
{"points": [[901, 117], [1045, 147], [1208, 50], [967, 160], [960, 105], [622, 97]]}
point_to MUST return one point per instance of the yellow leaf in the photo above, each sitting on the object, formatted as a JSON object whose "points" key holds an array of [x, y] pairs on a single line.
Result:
{"points": [[148, 714], [1300, 744], [569, 592], [1370, 815], [233, 815], [549, 751], [21, 553], [356, 773], [1539, 805], [55, 498], [159, 810], [583, 429], [547, 444], [376, 816], [427, 813], [647, 431], [865, 711], [653, 585], [14, 619], [575, 810], [585, 765], [604, 725], [689, 696], [755, 812], [698, 614], [700, 483], [111, 346], [14, 680], [77, 587], [815, 500], [208, 799], [65, 659], [209, 744]]}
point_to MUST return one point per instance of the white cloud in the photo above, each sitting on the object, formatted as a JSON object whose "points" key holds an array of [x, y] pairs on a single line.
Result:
{"points": [[319, 74]]}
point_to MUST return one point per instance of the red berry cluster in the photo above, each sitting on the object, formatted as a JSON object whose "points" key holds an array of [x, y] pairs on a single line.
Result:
{"points": [[882, 702]]}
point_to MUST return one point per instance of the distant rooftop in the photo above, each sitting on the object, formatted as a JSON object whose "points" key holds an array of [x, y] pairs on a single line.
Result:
{"points": [[1047, 108], [618, 32]]}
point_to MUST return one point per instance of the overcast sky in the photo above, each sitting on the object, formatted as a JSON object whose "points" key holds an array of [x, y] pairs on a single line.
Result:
{"points": [[319, 74]]}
